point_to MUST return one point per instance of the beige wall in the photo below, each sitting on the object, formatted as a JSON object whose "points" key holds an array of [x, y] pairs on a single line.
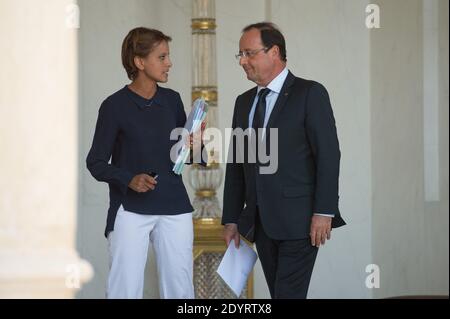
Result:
{"points": [[435, 246], [410, 236]]}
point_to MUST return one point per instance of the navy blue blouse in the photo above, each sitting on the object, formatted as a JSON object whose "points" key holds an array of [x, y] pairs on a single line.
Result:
{"points": [[135, 134]]}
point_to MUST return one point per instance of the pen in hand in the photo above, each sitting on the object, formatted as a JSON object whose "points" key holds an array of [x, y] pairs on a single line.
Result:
{"points": [[142, 183]]}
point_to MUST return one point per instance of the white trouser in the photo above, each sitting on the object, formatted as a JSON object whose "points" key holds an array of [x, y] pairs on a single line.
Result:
{"points": [[172, 239]]}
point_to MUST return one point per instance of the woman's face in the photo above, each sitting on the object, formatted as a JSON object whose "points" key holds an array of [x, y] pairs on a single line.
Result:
{"points": [[157, 63]]}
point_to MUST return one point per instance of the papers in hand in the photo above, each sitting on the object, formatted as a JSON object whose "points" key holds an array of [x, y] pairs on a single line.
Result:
{"points": [[193, 124], [236, 265]]}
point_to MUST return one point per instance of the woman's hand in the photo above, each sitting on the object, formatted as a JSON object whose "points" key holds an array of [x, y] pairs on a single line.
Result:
{"points": [[142, 183]]}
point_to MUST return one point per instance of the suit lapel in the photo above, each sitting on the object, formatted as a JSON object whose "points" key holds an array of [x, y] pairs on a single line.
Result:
{"points": [[247, 107], [281, 101]]}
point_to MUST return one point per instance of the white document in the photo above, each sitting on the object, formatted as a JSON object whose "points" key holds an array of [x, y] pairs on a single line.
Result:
{"points": [[236, 265]]}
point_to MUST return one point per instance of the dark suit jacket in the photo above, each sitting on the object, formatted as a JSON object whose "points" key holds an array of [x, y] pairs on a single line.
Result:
{"points": [[306, 181]]}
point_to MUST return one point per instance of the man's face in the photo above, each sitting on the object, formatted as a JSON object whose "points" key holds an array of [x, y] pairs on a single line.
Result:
{"points": [[157, 63], [258, 65]]}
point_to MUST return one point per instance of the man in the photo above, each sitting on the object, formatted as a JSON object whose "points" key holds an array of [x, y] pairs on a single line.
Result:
{"points": [[289, 213]]}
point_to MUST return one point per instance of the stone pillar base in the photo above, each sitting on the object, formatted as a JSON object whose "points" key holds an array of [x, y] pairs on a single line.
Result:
{"points": [[46, 274]]}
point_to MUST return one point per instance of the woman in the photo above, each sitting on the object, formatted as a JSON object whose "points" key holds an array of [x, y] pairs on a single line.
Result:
{"points": [[133, 128]]}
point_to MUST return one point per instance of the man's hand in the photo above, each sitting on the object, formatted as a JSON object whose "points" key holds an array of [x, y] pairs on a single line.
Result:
{"points": [[196, 138], [142, 183], [320, 230], [230, 232]]}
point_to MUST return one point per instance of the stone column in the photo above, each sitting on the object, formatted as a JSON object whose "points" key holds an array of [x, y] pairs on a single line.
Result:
{"points": [[39, 143], [205, 181], [209, 246]]}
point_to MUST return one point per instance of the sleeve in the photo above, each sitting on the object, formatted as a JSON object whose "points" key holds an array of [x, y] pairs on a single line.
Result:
{"points": [[101, 150], [322, 138], [181, 114], [234, 188], [324, 214]]}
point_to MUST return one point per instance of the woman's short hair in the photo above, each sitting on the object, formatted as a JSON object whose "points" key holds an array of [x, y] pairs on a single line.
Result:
{"points": [[140, 42]]}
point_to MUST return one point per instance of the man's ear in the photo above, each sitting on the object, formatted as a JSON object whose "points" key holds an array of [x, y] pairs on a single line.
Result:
{"points": [[138, 63], [275, 51]]}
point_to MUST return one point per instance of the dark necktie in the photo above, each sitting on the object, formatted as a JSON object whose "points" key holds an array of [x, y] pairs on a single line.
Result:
{"points": [[260, 111], [258, 121]]}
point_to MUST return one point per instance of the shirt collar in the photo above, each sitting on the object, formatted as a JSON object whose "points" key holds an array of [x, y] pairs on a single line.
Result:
{"points": [[143, 103], [276, 84]]}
